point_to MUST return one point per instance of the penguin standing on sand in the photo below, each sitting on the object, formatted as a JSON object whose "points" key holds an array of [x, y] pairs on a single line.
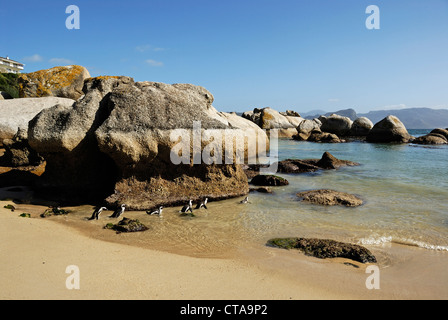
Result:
{"points": [[96, 213], [202, 204], [188, 207], [118, 212], [158, 212]]}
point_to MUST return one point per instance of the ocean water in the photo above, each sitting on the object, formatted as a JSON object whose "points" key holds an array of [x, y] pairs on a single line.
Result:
{"points": [[404, 188]]}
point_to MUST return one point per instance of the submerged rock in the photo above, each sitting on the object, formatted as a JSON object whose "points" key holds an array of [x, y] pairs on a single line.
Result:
{"points": [[325, 248], [330, 198], [269, 180], [127, 225], [327, 162]]}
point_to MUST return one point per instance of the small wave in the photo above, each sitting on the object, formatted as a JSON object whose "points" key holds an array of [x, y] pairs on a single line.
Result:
{"points": [[407, 242], [375, 241]]}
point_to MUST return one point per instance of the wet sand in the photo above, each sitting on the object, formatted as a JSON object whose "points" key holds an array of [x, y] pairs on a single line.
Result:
{"points": [[167, 265]]}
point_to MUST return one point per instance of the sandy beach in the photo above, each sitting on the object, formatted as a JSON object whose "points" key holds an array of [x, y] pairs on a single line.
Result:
{"points": [[36, 253]]}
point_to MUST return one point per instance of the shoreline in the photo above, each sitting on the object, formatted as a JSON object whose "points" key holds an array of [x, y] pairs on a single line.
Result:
{"points": [[39, 250]]}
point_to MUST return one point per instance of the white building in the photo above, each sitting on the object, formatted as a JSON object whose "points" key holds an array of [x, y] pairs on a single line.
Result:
{"points": [[10, 66]]}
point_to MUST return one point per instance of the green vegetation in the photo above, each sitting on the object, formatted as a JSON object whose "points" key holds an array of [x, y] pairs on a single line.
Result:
{"points": [[9, 206], [25, 215], [9, 84]]}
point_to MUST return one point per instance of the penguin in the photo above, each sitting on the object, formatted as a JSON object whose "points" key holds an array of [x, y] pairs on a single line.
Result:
{"points": [[118, 212], [157, 212], [188, 207], [246, 200], [96, 213], [202, 204]]}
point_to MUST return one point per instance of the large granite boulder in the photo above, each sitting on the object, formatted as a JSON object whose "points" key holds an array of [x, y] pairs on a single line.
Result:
{"points": [[16, 113], [268, 118], [137, 143], [361, 127], [305, 128], [390, 129], [436, 136], [64, 82], [336, 124]]}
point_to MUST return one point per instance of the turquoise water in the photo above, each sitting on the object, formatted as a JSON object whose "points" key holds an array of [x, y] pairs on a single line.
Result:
{"points": [[404, 187]]}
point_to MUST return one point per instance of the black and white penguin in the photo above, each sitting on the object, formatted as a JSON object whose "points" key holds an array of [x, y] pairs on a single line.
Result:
{"points": [[188, 207], [246, 200], [118, 212], [202, 204], [96, 213], [157, 212]]}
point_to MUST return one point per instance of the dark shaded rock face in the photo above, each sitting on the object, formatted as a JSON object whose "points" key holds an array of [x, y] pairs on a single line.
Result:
{"points": [[323, 248], [324, 137], [127, 225], [337, 124], [114, 144], [269, 180], [18, 153], [330, 198]]}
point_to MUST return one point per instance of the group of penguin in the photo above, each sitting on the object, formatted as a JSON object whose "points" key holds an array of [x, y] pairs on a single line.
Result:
{"points": [[189, 207]]}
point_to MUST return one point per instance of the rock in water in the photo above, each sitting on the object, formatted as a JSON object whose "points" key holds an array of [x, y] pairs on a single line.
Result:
{"points": [[436, 136], [324, 248], [330, 198], [361, 127], [337, 125], [268, 118], [305, 128], [127, 225], [390, 129], [269, 180], [116, 142], [64, 82]]}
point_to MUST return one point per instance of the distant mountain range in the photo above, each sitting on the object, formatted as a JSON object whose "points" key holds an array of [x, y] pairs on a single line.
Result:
{"points": [[412, 118]]}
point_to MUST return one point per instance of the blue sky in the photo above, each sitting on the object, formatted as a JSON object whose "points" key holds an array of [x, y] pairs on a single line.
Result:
{"points": [[285, 54]]}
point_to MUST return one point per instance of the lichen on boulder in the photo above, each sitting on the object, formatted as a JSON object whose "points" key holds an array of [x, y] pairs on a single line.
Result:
{"points": [[64, 82]]}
